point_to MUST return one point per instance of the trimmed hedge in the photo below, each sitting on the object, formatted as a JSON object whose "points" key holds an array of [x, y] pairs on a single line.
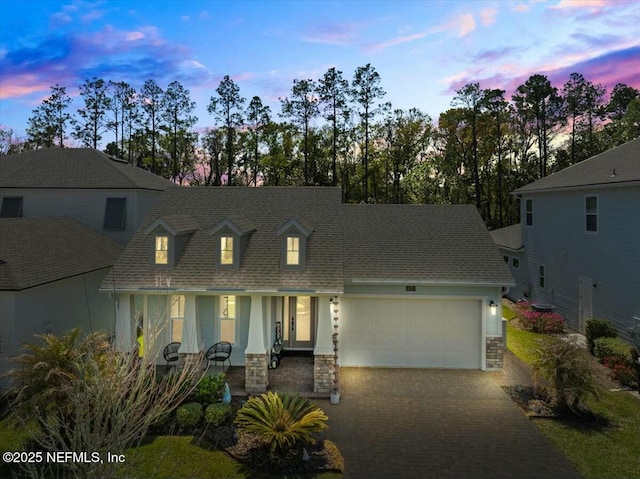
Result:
{"points": [[612, 347], [599, 328], [217, 413], [189, 414], [210, 389]]}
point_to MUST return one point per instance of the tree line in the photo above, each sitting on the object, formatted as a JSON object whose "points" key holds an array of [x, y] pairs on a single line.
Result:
{"points": [[333, 131]]}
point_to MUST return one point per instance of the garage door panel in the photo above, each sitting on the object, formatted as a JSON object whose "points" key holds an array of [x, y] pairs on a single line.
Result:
{"points": [[393, 332]]}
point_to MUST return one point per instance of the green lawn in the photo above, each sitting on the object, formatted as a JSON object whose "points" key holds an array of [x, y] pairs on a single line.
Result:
{"points": [[612, 452], [508, 313]]}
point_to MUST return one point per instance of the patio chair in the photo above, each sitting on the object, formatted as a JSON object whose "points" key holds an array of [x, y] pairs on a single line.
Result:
{"points": [[170, 353], [219, 353]]}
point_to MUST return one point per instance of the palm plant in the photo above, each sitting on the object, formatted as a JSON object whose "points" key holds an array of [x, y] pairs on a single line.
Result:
{"points": [[281, 421], [566, 366]]}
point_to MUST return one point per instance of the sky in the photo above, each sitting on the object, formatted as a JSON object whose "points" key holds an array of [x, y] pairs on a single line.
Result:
{"points": [[423, 50]]}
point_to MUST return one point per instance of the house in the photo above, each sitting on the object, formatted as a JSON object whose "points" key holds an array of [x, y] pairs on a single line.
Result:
{"points": [[416, 285], [50, 273], [580, 230], [98, 190], [509, 243]]}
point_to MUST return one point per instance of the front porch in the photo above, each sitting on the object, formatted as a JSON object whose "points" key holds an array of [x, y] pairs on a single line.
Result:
{"points": [[294, 375]]}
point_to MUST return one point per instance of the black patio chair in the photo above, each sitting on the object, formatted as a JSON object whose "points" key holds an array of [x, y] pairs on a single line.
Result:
{"points": [[219, 353], [170, 353]]}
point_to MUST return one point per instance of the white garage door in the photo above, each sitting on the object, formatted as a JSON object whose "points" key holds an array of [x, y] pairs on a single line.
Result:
{"points": [[430, 333]]}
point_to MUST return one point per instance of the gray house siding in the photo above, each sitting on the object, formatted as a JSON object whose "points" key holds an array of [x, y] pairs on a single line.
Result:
{"points": [[520, 273], [85, 206], [610, 257]]}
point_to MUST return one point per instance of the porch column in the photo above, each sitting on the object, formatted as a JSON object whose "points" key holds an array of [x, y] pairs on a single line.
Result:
{"points": [[256, 358], [323, 353], [124, 339], [191, 343]]}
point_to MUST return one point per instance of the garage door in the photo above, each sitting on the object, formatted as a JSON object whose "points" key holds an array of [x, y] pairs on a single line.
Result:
{"points": [[433, 333]]}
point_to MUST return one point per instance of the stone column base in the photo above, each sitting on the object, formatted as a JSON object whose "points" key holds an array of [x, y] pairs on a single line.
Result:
{"points": [[256, 373], [495, 353], [324, 373]]}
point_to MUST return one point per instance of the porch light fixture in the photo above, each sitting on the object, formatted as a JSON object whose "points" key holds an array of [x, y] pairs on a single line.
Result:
{"points": [[493, 307]]}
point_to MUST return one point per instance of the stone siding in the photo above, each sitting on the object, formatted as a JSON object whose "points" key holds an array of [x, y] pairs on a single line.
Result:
{"points": [[323, 373], [495, 353], [256, 373]]}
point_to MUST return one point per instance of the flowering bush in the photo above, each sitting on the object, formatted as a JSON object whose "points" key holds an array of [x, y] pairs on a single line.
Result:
{"points": [[621, 370], [539, 322]]}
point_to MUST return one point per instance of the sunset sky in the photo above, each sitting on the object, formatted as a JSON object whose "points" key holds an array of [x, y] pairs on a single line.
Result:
{"points": [[423, 50]]}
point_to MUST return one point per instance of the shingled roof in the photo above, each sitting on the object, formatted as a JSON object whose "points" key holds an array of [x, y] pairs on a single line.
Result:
{"points": [[442, 244], [36, 251], [62, 168], [509, 237], [617, 166], [262, 211], [348, 243]]}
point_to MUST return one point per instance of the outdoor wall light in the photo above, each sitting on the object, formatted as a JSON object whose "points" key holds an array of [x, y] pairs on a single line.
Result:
{"points": [[493, 307]]}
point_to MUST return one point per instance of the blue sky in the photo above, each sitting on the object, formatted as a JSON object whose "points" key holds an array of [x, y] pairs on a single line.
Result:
{"points": [[423, 50]]}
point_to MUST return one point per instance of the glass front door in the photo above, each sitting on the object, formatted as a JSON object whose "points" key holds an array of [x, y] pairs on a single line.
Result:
{"points": [[300, 322]]}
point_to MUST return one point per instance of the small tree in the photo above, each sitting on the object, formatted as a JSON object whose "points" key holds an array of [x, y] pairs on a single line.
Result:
{"points": [[81, 395], [566, 366]]}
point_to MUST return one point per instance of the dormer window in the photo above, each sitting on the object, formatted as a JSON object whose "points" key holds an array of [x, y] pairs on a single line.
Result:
{"points": [[293, 251], [231, 237], [226, 250], [162, 249], [295, 235]]}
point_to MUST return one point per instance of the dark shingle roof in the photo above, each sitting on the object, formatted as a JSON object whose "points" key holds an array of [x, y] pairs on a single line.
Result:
{"points": [[36, 251], [509, 237], [616, 166], [420, 243], [74, 168], [263, 209]]}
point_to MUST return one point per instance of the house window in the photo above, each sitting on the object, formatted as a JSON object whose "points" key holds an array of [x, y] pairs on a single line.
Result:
{"points": [[115, 214], [529, 211], [506, 259], [293, 250], [591, 213], [162, 249], [541, 276], [226, 250], [515, 262], [177, 318], [228, 319], [11, 207]]}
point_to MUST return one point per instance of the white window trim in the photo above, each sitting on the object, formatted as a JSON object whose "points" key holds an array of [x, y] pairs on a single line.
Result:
{"points": [[293, 237], [156, 250], [172, 317], [232, 250], [596, 214], [526, 200]]}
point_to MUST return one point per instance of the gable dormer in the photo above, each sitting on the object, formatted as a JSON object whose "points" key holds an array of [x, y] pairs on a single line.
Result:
{"points": [[169, 236], [293, 244], [231, 236]]}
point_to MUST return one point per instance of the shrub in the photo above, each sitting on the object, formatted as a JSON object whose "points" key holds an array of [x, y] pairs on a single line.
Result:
{"points": [[599, 328], [281, 422], [621, 370], [566, 366], [189, 414], [217, 413], [538, 322], [607, 347], [210, 389]]}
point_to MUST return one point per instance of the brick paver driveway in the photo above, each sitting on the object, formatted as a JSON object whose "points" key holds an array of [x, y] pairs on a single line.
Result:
{"points": [[420, 423]]}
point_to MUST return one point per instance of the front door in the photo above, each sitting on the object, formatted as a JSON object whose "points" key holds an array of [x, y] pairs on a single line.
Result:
{"points": [[585, 302], [301, 322]]}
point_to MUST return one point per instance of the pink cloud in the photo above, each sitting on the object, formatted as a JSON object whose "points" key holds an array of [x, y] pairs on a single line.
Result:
{"points": [[592, 4], [20, 85], [133, 36], [396, 41], [488, 16], [521, 8], [331, 34], [461, 25]]}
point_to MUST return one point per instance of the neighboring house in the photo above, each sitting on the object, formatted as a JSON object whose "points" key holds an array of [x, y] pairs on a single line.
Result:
{"points": [[509, 242], [581, 233], [417, 285], [96, 189], [50, 272]]}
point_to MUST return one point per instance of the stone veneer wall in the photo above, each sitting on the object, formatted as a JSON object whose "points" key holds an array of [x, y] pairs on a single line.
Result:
{"points": [[495, 352], [187, 358], [256, 373], [323, 373]]}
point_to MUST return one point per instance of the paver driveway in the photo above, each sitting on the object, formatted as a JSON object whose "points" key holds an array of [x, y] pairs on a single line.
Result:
{"points": [[420, 423]]}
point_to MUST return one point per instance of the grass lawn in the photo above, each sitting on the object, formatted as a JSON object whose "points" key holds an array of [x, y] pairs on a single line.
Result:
{"points": [[612, 452], [507, 312]]}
